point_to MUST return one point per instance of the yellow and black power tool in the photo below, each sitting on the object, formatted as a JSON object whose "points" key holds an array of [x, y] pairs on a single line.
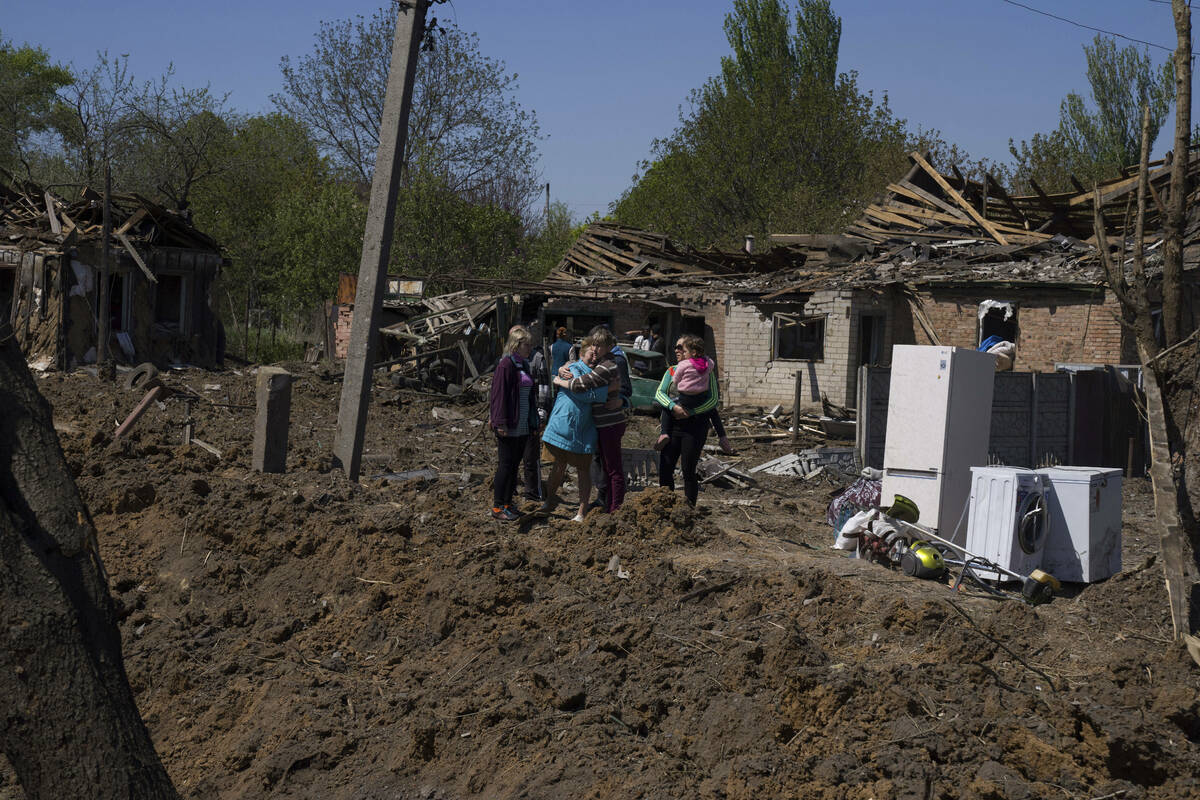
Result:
{"points": [[923, 560]]}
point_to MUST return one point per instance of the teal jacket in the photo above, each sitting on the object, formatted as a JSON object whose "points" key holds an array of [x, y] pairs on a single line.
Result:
{"points": [[570, 426], [662, 397]]}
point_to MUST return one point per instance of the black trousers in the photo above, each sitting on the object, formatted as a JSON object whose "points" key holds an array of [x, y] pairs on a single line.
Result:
{"points": [[533, 466], [687, 443], [509, 450]]}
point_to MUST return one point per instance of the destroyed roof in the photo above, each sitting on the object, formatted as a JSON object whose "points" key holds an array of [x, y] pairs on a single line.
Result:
{"points": [[447, 313], [32, 218], [606, 251], [926, 228]]}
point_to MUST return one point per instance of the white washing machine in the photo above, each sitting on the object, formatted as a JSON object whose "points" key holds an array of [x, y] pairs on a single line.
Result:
{"points": [[1085, 523], [1008, 520]]}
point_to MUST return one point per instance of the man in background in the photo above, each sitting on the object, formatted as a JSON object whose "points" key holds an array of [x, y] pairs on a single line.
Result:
{"points": [[560, 351]]}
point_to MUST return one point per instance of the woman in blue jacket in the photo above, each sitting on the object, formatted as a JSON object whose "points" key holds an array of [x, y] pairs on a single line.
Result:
{"points": [[570, 437]]}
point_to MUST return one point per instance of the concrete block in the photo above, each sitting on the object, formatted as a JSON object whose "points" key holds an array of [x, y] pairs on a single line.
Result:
{"points": [[272, 420]]}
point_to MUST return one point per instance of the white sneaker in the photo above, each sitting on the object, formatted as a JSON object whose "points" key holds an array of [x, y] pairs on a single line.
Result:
{"points": [[577, 518]]}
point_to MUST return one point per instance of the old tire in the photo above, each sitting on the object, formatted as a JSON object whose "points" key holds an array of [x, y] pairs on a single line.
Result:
{"points": [[141, 378]]}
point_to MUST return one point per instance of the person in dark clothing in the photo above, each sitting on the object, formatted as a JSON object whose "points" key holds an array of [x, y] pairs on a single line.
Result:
{"points": [[659, 345], [532, 460], [611, 491], [687, 436], [691, 388], [560, 351], [513, 419], [687, 444]]}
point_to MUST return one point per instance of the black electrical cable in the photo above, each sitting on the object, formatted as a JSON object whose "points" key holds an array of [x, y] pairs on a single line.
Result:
{"points": [[1089, 27]]}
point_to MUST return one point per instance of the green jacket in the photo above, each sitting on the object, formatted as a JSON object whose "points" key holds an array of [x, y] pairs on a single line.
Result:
{"points": [[663, 399]]}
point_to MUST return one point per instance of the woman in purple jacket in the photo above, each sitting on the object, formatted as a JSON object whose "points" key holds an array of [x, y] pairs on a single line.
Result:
{"points": [[514, 418]]}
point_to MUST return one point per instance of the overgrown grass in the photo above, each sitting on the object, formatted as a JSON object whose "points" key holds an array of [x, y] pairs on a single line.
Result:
{"points": [[265, 345]]}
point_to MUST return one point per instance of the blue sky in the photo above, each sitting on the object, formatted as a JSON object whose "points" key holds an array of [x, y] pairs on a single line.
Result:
{"points": [[607, 78]]}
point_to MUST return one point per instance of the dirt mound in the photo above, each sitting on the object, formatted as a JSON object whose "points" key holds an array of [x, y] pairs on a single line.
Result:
{"points": [[297, 635]]}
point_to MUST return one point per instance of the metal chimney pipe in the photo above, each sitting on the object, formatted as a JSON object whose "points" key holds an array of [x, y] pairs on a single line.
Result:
{"points": [[749, 245]]}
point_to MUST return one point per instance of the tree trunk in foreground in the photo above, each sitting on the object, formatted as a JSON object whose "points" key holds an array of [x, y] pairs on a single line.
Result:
{"points": [[68, 721], [1173, 224], [1179, 568]]}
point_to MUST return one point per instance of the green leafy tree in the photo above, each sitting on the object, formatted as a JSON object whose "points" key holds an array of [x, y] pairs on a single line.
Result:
{"points": [[466, 124], [550, 241], [1093, 141], [317, 235], [779, 141], [270, 162], [179, 140], [29, 83], [444, 235]]}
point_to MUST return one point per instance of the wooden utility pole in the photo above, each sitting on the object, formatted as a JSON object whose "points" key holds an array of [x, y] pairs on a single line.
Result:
{"points": [[103, 334], [377, 236]]}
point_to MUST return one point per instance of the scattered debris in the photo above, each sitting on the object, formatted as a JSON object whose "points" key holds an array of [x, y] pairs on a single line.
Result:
{"points": [[806, 463], [205, 446], [614, 565], [425, 474], [714, 469], [156, 390]]}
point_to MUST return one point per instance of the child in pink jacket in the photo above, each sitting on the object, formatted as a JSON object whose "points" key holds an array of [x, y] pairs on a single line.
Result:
{"points": [[690, 388]]}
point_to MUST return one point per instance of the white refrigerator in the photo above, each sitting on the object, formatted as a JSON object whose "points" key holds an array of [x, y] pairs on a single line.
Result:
{"points": [[938, 425]]}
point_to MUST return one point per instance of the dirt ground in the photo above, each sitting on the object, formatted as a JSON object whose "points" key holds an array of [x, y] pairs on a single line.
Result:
{"points": [[298, 636]]}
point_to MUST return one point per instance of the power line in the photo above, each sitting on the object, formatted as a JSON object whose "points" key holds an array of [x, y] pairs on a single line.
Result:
{"points": [[1090, 27]]}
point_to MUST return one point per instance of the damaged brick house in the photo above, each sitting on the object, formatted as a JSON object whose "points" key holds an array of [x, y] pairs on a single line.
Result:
{"points": [[161, 274], [938, 259]]}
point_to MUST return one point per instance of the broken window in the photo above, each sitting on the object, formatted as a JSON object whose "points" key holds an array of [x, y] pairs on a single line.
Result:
{"points": [[8, 286], [118, 301], [799, 338], [168, 301], [870, 338], [999, 320], [404, 290]]}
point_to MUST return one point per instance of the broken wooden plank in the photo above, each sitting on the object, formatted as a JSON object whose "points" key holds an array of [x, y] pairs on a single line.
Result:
{"points": [[884, 215], [1118, 189], [470, 362], [914, 192], [136, 257], [55, 225], [203, 445], [137, 217], [155, 392], [1004, 198], [958, 198]]}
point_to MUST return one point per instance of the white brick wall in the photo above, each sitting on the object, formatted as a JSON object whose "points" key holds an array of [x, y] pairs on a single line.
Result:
{"points": [[753, 378]]}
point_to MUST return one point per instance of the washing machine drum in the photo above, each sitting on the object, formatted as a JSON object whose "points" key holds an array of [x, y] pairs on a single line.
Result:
{"points": [[1032, 524]]}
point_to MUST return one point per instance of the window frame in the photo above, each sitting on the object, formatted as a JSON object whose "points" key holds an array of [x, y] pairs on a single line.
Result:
{"points": [[184, 291], [797, 319], [1014, 321]]}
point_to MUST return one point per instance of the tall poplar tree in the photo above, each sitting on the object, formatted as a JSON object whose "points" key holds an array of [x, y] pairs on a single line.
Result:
{"points": [[778, 141], [1095, 139]]}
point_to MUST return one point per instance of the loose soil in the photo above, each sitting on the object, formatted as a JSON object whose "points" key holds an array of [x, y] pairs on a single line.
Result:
{"points": [[301, 636]]}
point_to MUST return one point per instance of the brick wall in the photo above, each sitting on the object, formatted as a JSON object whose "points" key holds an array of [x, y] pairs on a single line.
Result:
{"points": [[341, 330], [1053, 325], [753, 377]]}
